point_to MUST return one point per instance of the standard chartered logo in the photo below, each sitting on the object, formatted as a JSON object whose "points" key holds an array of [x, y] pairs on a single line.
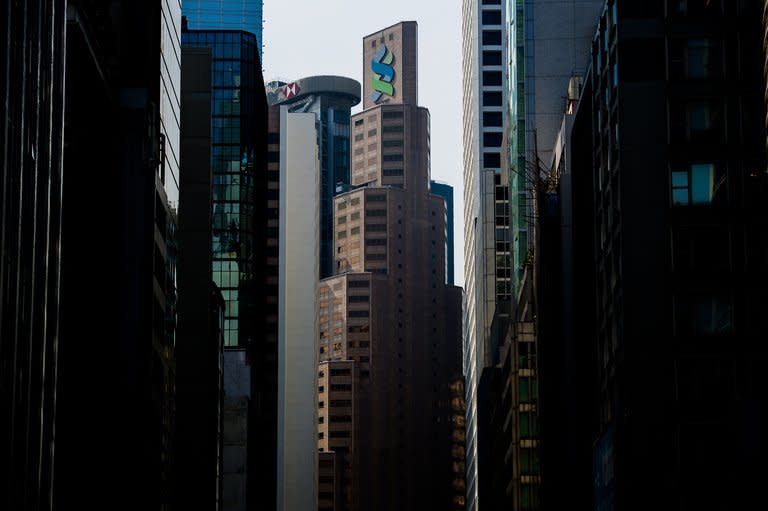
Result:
{"points": [[383, 74]]}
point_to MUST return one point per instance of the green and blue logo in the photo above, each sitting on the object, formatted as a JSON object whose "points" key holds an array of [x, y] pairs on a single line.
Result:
{"points": [[383, 74]]}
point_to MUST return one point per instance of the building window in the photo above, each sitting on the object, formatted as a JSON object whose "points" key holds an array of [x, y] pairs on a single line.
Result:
{"points": [[697, 249], [702, 58], [697, 185], [492, 139], [491, 160], [492, 119], [492, 98], [491, 78], [694, 7], [392, 114], [491, 58], [492, 37], [704, 314], [491, 17]]}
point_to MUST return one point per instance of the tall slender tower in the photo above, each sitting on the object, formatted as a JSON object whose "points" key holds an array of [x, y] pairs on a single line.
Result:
{"points": [[488, 262], [390, 328], [238, 139], [297, 312]]}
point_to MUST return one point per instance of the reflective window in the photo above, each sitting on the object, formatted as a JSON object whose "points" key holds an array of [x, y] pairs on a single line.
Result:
{"points": [[699, 184]]}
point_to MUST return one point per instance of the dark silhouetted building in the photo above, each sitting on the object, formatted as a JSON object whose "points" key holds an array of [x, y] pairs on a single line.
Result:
{"points": [[200, 347], [679, 220], [31, 168], [238, 161], [566, 359], [115, 408]]}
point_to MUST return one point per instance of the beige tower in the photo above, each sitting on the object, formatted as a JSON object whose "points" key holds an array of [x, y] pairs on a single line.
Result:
{"points": [[387, 316]]}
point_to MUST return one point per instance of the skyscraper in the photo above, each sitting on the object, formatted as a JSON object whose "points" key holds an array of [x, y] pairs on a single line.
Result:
{"points": [[680, 189], [246, 15], [517, 63], [330, 98], [298, 312], [239, 126], [116, 364], [31, 168], [487, 257], [390, 328], [200, 348]]}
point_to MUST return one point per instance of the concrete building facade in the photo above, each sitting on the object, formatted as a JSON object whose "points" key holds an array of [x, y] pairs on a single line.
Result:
{"points": [[388, 311], [298, 312]]}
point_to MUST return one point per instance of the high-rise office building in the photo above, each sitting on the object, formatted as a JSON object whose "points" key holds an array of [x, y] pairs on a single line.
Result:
{"points": [[517, 63], [564, 281], [390, 328], [200, 347], [31, 168], [116, 361], [679, 189], [237, 96], [445, 191], [298, 312], [487, 257], [239, 127], [245, 15], [331, 99]]}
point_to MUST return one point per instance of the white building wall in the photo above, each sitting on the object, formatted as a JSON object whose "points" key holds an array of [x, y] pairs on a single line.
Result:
{"points": [[298, 328]]}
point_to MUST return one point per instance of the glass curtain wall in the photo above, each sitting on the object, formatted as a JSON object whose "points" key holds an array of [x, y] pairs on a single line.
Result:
{"points": [[232, 153]]}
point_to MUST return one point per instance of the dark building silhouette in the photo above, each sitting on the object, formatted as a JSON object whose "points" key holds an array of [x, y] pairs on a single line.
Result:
{"points": [[31, 167], [238, 161], [565, 288], [116, 370], [200, 349], [270, 182], [675, 121]]}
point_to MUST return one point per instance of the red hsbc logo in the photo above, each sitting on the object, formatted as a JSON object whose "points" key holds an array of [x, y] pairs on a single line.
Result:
{"points": [[291, 90]]}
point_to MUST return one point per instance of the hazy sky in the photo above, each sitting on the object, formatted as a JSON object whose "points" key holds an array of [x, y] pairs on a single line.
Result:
{"points": [[324, 37]]}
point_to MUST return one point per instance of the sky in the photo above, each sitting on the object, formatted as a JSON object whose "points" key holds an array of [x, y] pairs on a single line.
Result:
{"points": [[325, 37]]}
